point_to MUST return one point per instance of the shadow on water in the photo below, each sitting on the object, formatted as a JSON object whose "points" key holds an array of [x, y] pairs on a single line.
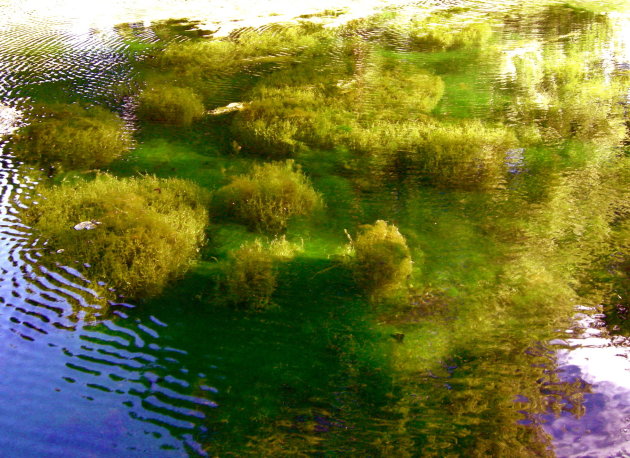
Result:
{"points": [[275, 363]]}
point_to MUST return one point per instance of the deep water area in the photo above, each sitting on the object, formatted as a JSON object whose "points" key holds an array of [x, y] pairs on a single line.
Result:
{"points": [[393, 232]]}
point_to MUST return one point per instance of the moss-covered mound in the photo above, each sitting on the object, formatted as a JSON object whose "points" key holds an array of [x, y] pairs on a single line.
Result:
{"points": [[268, 197], [464, 154], [251, 272], [72, 138], [286, 118], [242, 49], [380, 259], [425, 36], [146, 230], [170, 105]]}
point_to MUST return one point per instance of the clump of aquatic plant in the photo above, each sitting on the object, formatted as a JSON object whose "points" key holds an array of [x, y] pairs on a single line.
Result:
{"points": [[269, 196], [451, 29], [277, 122], [242, 49], [463, 154], [170, 105], [393, 93], [251, 271], [138, 233], [430, 37], [591, 111], [71, 137], [380, 259], [284, 120], [379, 114]]}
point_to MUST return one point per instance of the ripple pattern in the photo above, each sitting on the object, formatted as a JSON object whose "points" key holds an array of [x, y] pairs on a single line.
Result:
{"points": [[89, 376]]}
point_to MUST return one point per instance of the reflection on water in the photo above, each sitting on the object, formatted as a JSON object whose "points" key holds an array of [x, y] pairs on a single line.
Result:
{"points": [[169, 380], [590, 354]]}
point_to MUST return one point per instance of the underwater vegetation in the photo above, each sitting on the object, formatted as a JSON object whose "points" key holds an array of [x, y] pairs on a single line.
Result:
{"points": [[242, 49], [376, 115], [147, 230], [567, 91], [284, 118], [380, 259], [169, 105], [70, 137], [450, 29], [268, 197], [251, 271], [447, 31], [506, 203]]}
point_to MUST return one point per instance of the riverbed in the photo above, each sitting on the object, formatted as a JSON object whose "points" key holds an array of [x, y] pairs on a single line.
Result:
{"points": [[500, 346]]}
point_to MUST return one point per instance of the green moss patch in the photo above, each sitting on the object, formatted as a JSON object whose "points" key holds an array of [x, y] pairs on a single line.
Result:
{"points": [[70, 137], [169, 105], [268, 197], [146, 230]]}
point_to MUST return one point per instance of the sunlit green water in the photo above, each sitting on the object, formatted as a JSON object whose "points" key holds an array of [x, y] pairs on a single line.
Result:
{"points": [[500, 263]]}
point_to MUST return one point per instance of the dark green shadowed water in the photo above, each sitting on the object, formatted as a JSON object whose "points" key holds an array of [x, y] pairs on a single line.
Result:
{"points": [[492, 140]]}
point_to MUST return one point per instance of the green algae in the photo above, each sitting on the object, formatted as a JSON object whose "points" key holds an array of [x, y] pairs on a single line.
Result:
{"points": [[505, 242], [380, 259], [146, 231], [250, 274], [169, 105], [268, 197], [68, 137]]}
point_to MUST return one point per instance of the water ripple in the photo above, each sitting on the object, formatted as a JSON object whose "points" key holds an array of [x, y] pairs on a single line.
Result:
{"points": [[58, 361]]}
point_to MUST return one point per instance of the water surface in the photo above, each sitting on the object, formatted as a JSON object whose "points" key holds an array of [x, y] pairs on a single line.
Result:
{"points": [[321, 374]]}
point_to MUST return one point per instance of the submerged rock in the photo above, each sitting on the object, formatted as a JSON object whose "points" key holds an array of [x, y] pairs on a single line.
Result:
{"points": [[87, 225], [229, 108]]}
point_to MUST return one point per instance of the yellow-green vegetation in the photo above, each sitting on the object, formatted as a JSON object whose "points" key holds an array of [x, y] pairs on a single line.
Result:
{"points": [[393, 92], [570, 101], [380, 259], [465, 154], [169, 105], [363, 112], [446, 30], [71, 137], [566, 91], [242, 49], [251, 271], [396, 122], [147, 230], [377, 113], [269, 196], [278, 120], [428, 36]]}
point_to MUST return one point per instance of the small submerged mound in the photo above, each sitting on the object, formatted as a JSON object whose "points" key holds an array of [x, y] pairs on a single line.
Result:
{"points": [[71, 137], [380, 259], [250, 273], [149, 229], [170, 105], [268, 197]]}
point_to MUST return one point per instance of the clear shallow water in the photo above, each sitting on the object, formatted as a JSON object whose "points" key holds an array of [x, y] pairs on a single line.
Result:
{"points": [[165, 381]]}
